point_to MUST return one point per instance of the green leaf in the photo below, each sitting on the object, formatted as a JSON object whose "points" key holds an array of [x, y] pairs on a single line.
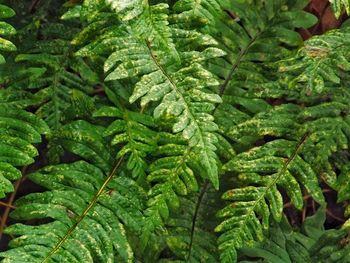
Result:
{"points": [[6, 12], [96, 234]]}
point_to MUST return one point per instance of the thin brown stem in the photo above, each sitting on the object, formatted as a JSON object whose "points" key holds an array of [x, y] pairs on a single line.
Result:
{"points": [[98, 90], [289, 204], [7, 205], [303, 214], [313, 206], [329, 213], [10, 202]]}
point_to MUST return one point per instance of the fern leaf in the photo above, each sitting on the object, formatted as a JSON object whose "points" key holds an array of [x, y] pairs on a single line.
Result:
{"points": [[85, 140], [325, 59], [319, 64], [254, 31], [209, 107], [323, 120], [127, 10], [171, 175], [248, 214], [190, 235], [5, 30], [312, 243], [338, 7], [134, 131], [50, 79], [145, 56], [19, 130], [62, 77], [57, 86], [96, 234]]}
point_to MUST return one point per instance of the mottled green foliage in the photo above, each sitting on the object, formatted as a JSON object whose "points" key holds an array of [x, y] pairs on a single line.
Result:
{"points": [[19, 131], [320, 64], [133, 131], [139, 50], [175, 131], [315, 123], [63, 81], [100, 236], [52, 80], [263, 169], [190, 230], [86, 140], [339, 6], [312, 244], [6, 30]]}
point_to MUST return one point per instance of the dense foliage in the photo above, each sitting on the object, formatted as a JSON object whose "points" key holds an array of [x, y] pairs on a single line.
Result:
{"points": [[172, 131]]}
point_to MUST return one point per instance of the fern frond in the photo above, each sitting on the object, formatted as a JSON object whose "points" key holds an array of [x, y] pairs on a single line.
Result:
{"points": [[325, 115], [185, 125], [189, 13], [256, 31], [5, 30], [320, 64], [134, 131], [190, 230], [19, 131], [127, 10], [194, 118], [251, 35], [81, 218], [49, 78], [85, 198], [338, 7], [323, 120], [184, 89], [311, 244], [286, 121], [172, 175], [62, 77], [264, 168], [328, 124], [85, 140], [56, 85]]}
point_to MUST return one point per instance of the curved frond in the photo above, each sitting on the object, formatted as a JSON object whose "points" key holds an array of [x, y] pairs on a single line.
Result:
{"points": [[80, 219], [322, 120], [183, 86], [57, 79], [19, 132], [264, 169], [172, 175], [320, 64]]}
